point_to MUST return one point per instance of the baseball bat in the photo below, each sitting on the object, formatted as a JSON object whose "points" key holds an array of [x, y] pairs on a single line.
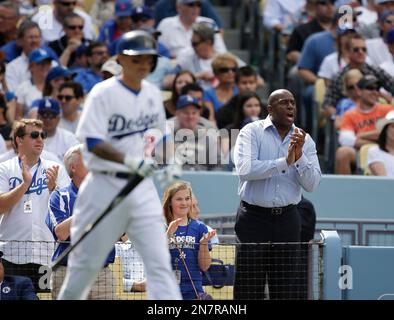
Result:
{"points": [[131, 184]]}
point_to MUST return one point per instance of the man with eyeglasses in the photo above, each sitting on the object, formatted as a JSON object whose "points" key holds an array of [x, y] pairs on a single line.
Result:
{"points": [[25, 184], [176, 32], [97, 54], [73, 38], [359, 124], [59, 140], [51, 20], [357, 56], [70, 98]]}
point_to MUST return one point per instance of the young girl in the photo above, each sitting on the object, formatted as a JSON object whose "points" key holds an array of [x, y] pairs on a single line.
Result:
{"points": [[189, 240]]}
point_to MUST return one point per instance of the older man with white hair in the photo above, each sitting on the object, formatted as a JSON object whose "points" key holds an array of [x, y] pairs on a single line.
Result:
{"points": [[58, 220]]}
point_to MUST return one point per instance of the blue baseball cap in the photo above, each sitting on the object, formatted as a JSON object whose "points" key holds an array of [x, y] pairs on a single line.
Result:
{"points": [[123, 8], [385, 14], [48, 105], [58, 71], [39, 55], [390, 36], [187, 100], [141, 11]]}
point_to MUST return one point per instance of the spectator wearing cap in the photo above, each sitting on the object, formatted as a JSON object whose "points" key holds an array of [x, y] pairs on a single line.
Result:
{"points": [[70, 97], [102, 11], [30, 90], [114, 28], [359, 124], [197, 146], [142, 16], [26, 181], [59, 140], [28, 39], [381, 157], [15, 287], [388, 65], [167, 8], [73, 38], [111, 68], [97, 54], [377, 48], [357, 60], [372, 30], [199, 56], [176, 31], [55, 16]]}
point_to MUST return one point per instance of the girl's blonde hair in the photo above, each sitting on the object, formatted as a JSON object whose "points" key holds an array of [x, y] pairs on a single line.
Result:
{"points": [[169, 194]]}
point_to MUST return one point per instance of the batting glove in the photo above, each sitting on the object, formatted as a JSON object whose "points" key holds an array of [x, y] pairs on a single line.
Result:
{"points": [[169, 174], [144, 168]]}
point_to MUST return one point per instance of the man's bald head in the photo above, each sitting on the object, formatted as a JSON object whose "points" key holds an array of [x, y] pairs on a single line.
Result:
{"points": [[279, 94]]}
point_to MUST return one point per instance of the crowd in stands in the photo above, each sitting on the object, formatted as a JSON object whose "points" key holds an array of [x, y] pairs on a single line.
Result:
{"points": [[51, 56]]}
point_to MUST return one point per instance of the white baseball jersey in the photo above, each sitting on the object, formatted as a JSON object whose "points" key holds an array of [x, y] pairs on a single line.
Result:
{"points": [[60, 142], [17, 224], [115, 114], [44, 155]]}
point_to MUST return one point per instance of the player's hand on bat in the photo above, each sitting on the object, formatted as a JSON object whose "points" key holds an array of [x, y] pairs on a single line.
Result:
{"points": [[144, 168], [52, 174]]}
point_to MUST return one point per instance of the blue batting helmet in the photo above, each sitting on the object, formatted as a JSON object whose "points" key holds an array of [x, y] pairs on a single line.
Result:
{"points": [[137, 43]]}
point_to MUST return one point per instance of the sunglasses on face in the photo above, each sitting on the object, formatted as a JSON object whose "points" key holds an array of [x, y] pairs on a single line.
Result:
{"points": [[371, 88], [61, 97], [48, 115], [226, 70], [194, 4], [196, 43], [68, 4], [350, 87], [79, 27], [36, 134], [359, 49]]}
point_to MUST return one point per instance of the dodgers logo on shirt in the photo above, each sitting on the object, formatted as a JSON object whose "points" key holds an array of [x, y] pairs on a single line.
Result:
{"points": [[37, 185], [119, 126], [6, 290]]}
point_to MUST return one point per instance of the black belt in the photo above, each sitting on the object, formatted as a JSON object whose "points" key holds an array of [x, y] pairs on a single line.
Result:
{"points": [[273, 211], [120, 175]]}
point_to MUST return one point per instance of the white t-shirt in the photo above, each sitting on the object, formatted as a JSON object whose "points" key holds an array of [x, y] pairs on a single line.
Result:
{"points": [[60, 142], [115, 114], [375, 154], [26, 93], [26, 227], [3, 146], [68, 125], [52, 29], [175, 37], [44, 155], [388, 66], [377, 51]]}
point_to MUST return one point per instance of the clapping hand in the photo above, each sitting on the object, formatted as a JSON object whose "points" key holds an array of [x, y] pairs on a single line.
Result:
{"points": [[25, 171], [298, 139], [173, 226], [207, 236], [51, 174]]}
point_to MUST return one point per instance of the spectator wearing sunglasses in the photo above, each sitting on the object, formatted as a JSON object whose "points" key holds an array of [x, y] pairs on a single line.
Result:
{"points": [[359, 124], [66, 47], [176, 31], [70, 97], [59, 140], [55, 16], [357, 60], [224, 68], [26, 181], [114, 28]]}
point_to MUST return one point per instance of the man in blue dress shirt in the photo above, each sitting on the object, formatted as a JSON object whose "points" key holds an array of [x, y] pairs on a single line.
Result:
{"points": [[274, 161]]}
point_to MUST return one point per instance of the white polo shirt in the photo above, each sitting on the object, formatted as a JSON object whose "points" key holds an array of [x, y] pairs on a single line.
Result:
{"points": [[52, 29], [60, 142], [176, 37], [20, 232]]}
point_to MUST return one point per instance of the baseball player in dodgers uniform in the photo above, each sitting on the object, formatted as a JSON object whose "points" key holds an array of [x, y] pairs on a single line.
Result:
{"points": [[117, 113]]}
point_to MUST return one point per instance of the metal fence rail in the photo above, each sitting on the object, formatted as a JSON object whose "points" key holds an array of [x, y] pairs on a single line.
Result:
{"points": [[247, 271]]}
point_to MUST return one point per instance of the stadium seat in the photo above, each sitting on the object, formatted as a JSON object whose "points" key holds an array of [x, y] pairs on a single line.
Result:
{"points": [[363, 158]]}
